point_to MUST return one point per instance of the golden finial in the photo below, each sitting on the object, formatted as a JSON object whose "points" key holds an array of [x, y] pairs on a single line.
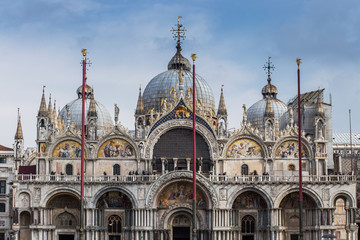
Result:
{"points": [[298, 61], [84, 52], [193, 56]]}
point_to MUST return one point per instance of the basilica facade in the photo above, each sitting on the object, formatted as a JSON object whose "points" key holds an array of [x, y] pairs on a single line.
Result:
{"points": [[138, 184]]}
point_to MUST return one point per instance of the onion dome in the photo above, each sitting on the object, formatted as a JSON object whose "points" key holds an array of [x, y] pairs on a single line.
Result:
{"points": [[269, 106], [178, 61], [104, 121], [178, 79]]}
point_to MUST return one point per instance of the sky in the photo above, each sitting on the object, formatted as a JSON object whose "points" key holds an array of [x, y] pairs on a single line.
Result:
{"points": [[129, 42]]}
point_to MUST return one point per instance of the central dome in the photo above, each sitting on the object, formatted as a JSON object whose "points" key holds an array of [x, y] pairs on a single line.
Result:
{"points": [[160, 87]]}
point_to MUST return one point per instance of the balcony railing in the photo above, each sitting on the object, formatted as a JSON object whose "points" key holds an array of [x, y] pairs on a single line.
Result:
{"points": [[283, 179], [217, 179]]}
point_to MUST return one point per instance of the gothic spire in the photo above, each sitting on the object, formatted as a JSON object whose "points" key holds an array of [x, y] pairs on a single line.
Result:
{"points": [[222, 108], [140, 104], [42, 110], [19, 132], [49, 108]]}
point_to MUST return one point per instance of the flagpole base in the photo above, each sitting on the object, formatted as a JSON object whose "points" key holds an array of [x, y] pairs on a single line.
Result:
{"points": [[194, 233]]}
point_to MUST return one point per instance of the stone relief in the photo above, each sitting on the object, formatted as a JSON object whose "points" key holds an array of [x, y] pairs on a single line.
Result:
{"points": [[24, 200], [223, 194], [141, 193]]}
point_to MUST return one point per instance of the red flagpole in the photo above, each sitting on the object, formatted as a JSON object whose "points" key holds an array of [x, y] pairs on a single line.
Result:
{"points": [[301, 234], [194, 237], [83, 51]]}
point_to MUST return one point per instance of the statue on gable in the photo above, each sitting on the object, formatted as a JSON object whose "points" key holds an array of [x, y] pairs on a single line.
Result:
{"points": [[245, 114], [164, 105]]}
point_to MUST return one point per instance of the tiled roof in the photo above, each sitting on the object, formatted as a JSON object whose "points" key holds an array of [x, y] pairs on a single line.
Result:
{"points": [[3, 148], [339, 138]]}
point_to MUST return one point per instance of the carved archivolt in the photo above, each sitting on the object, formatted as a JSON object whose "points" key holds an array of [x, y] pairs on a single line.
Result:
{"points": [[183, 208], [180, 123], [178, 175]]}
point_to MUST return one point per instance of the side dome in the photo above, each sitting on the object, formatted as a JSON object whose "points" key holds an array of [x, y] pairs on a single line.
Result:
{"points": [[160, 87], [104, 121], [256, 112]]}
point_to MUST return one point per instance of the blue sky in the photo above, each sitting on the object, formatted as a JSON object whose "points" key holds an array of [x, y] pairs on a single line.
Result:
{"points": [[129, 42]]}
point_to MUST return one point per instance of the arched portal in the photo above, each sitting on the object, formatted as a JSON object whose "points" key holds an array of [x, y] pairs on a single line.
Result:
{"points": [[65, 215], [251, 213], [290, 217], [114, 213], [174, 150]]}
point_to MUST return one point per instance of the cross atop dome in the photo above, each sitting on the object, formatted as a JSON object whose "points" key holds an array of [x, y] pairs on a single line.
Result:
{"points": [[268, 66], [178, 33]]}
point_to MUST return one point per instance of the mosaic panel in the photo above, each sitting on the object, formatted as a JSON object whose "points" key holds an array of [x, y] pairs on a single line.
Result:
{"points": [[180, 192], [290, 149], [114, 199], [116, 148], [244, 148], [249, 200], [67, 149]]}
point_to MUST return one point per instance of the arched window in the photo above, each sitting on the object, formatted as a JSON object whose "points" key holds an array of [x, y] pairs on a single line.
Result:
{"points": [[69, 169], [116, 169], [114, 224], [248, 224], [244, 170], [291, 167]]}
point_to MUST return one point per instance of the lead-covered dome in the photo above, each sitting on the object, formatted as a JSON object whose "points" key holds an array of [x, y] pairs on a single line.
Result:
{"points": [[160, 87], [104, 121], [256, 112]]}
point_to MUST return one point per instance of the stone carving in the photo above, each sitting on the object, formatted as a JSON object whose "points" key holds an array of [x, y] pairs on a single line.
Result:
{"points": [[223, 194], [326, 194], [37, 194], [273, 191], [181, 205], [24, 200], [177, 175], [141, 193]]}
